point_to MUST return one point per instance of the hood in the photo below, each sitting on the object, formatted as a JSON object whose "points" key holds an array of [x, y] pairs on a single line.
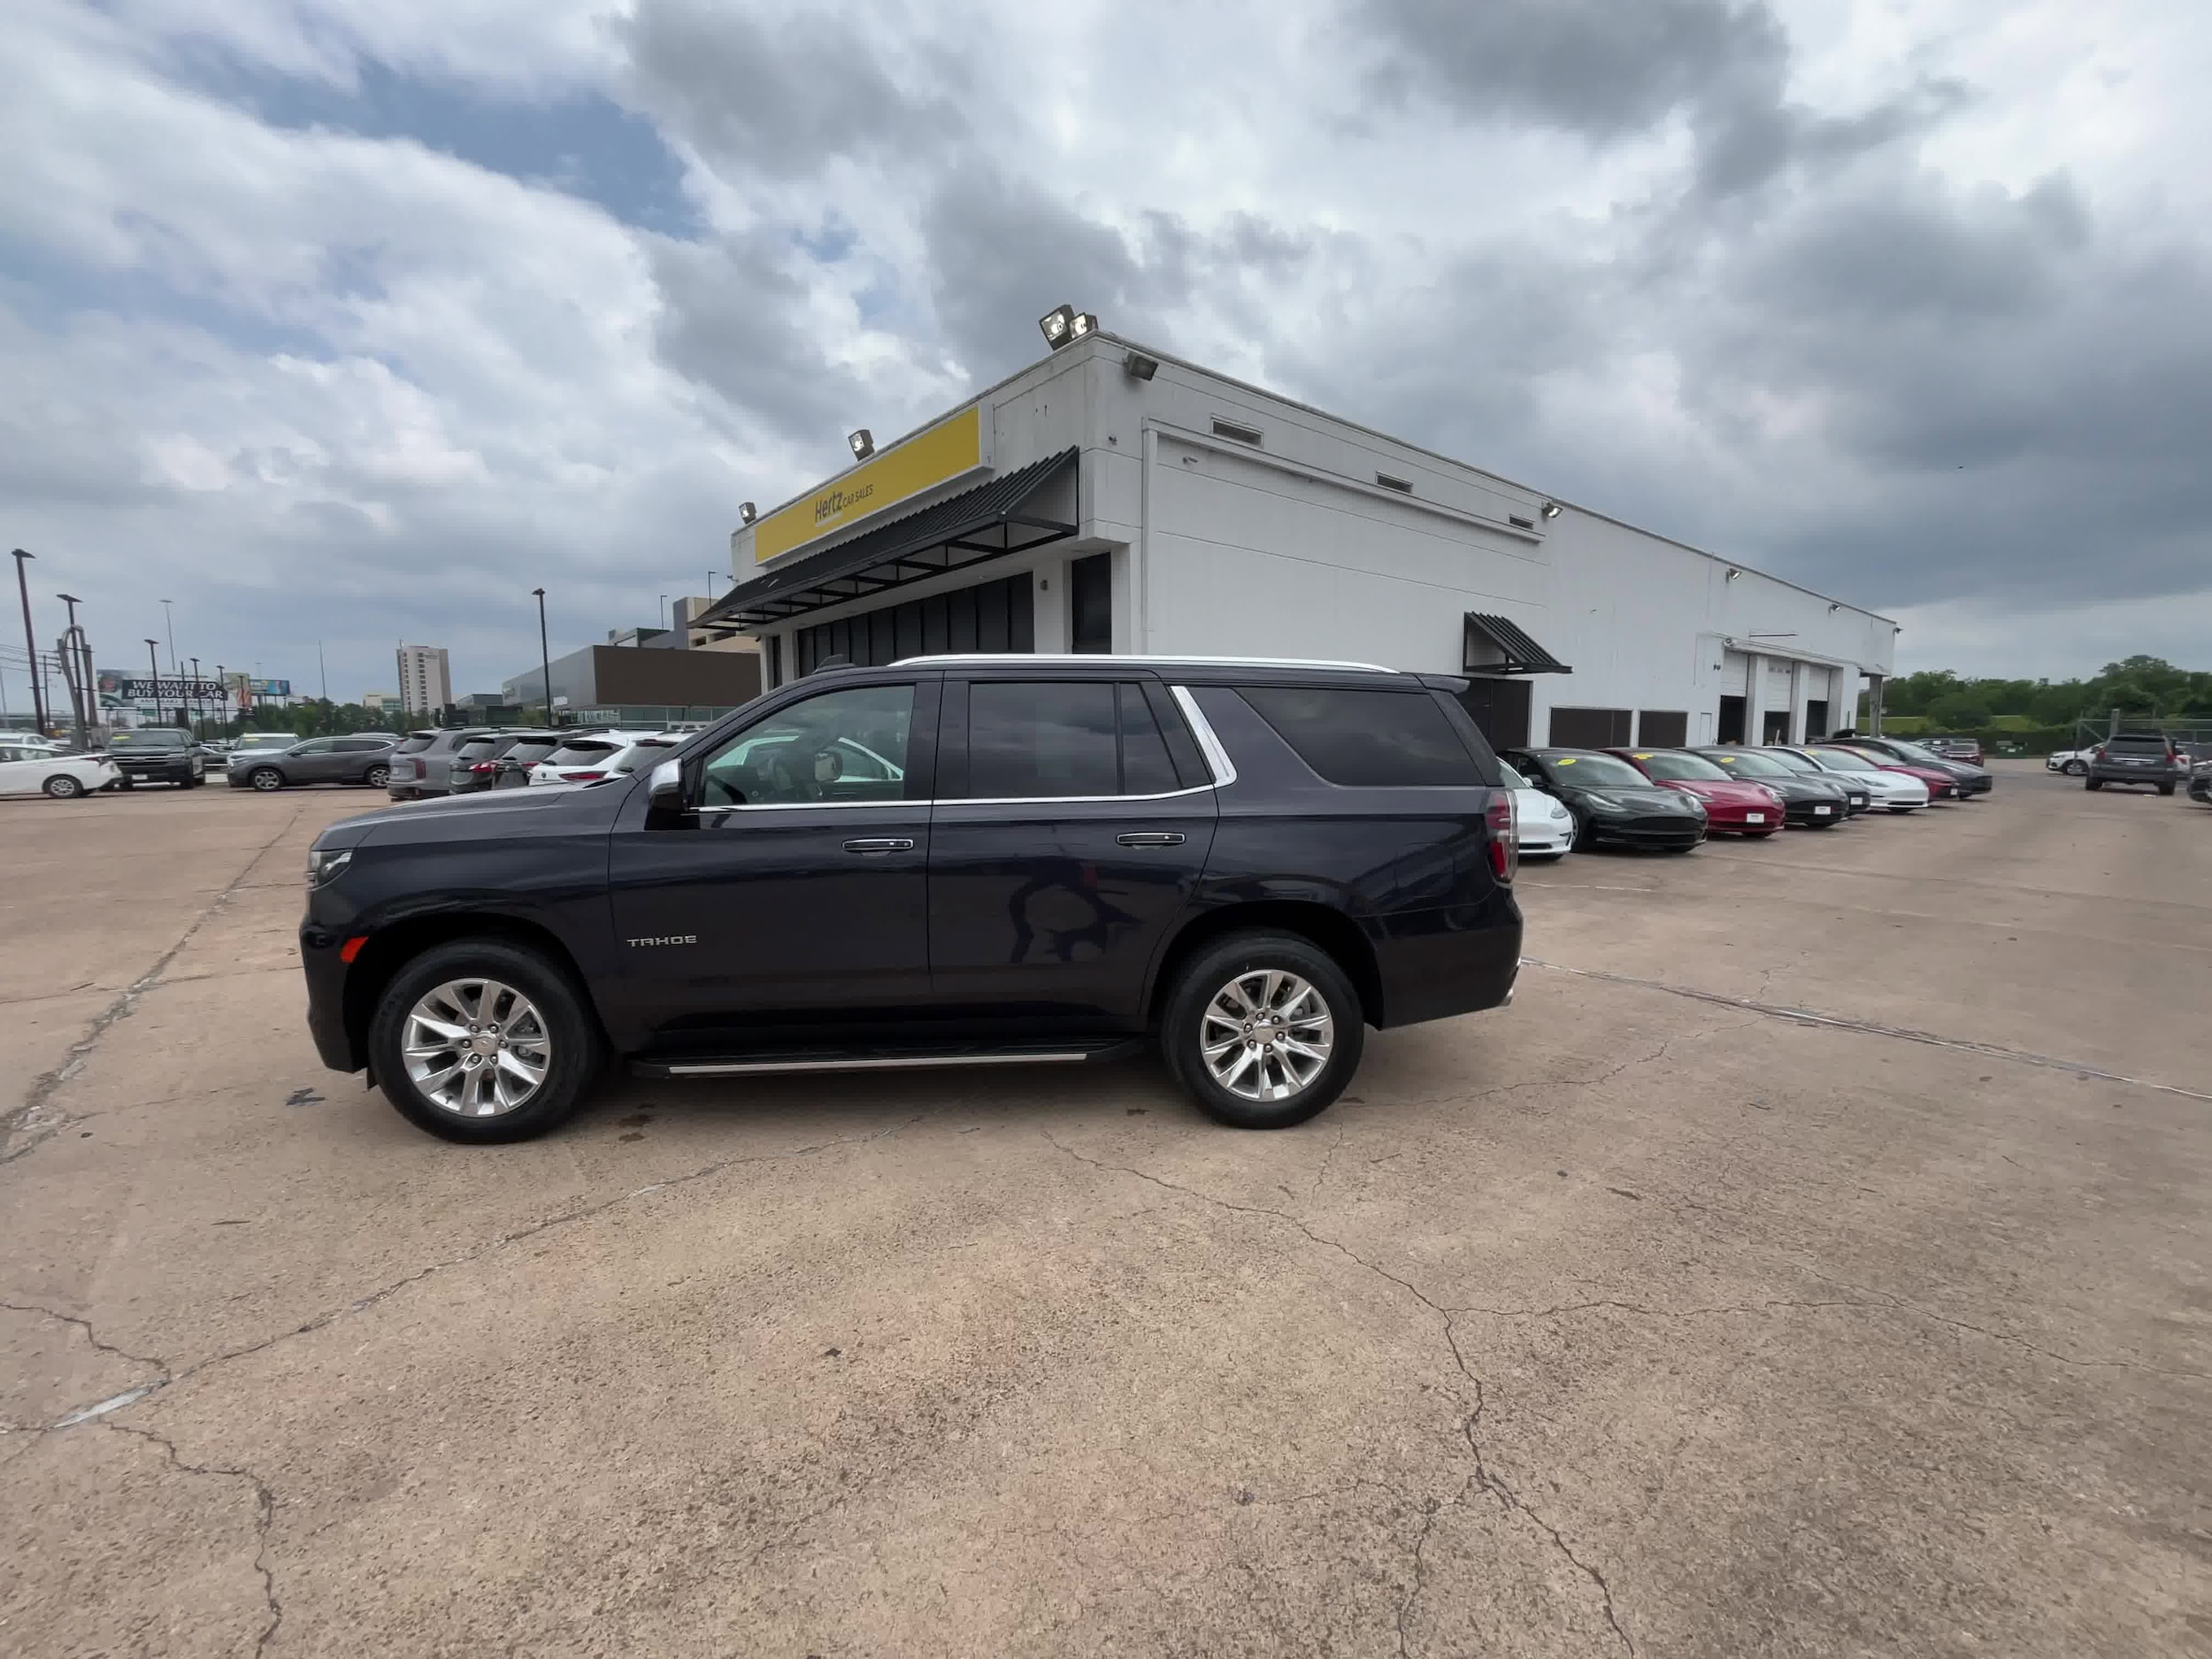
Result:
{"points": [[487, 807], [1726, 791], [1647, 796]]}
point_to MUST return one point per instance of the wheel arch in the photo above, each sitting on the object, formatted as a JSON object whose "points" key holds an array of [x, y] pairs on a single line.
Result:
{"points": [[391, 948], [1329, 929]]}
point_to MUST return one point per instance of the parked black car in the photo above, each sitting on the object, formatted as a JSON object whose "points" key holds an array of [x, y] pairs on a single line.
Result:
{"points": [[158, 754], [1808, 802], [422, 765], [1614, 804], [477, 764], [365, 757], [1801, 765], [2148, 761], [513, 772], [951, 861], [1971, 780]]}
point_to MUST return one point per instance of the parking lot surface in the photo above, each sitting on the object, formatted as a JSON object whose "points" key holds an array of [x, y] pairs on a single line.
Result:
{"points": [[1648, 1316]]}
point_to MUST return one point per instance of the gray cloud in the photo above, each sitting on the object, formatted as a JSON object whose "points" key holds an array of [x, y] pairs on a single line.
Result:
{"points": [[783, 97]]}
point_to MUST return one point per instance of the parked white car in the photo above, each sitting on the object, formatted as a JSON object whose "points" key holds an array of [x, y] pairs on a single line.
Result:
{"points": [[587, 758], [1543, 826], [2073, 762], [1887, 791], [24, 769]]}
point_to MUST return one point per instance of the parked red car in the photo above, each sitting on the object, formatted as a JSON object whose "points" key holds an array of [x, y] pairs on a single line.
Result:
{"points": [[1942, 785], [1733, 806]]}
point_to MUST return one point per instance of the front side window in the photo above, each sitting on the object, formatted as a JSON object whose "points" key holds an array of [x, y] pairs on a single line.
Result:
{"points": [[848, 745]]}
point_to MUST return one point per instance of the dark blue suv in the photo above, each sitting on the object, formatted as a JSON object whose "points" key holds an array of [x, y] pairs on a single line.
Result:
{"points": [[950, 860]]}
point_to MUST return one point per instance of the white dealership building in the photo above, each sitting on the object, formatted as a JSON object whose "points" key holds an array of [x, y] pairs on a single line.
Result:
{"points": [[1111, 498]]}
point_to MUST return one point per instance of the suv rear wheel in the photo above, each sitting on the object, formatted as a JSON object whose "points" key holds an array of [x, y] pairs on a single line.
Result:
{"points": [[377, 776], [481, 1041], [1262, 1030]]}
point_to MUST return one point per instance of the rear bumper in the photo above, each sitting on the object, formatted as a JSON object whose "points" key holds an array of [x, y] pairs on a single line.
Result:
{"points": [[1455, 960], [2128, 774]]}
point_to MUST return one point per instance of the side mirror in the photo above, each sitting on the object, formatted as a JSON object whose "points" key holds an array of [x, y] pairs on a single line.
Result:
{"points": [[665, 789]]}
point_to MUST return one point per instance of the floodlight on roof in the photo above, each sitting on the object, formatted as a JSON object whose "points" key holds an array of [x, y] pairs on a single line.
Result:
{"points": [[747, 512], [1552, 510], [863, 443], [1141, 367], [1059, 326], [1082, 323]]}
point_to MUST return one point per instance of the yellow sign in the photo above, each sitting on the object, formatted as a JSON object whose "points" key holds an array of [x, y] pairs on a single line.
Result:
{"points": [[945, 452]]}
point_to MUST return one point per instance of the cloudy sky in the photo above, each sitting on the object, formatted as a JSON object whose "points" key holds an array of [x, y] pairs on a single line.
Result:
{"points": [[351, 322]]}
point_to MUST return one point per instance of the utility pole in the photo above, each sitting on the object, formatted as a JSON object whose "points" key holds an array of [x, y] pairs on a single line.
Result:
{"points": [[30, 641], [195, 696], [153, 661], [545, 659], [322, 670]]}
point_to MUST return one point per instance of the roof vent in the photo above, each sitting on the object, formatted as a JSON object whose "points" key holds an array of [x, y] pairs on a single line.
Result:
{"points": [[1388, 482], [1230, 429]]}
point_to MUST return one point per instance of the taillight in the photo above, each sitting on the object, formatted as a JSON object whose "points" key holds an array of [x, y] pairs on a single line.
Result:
{"points": [[1505, 854], [582, 777], [483, 765]]}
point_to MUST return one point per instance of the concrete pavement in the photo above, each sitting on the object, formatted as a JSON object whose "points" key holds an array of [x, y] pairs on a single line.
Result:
{"points": [[1639, 1318]]}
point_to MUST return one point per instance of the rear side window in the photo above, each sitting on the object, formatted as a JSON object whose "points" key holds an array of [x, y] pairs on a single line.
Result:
{"points": [[414, 745], [1367, 739], [581, 754], [1042, 740]]}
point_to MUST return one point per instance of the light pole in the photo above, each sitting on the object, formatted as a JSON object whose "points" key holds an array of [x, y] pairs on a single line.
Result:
{"points": [[195, 696], [222, 698], [30, 641], [169, 626], [154, 662], [545, 659]]}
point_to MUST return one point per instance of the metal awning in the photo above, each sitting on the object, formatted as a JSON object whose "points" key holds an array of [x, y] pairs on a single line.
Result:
{"points": [[987, 522], [1496, 646]]}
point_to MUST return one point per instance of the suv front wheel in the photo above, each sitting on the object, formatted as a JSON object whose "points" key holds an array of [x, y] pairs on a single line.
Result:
{"points": [[1262, 1030], [481, 1041]]}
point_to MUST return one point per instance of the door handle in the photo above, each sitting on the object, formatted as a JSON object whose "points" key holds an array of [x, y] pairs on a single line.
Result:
{"points": [[1151, 838], [880, 844]]}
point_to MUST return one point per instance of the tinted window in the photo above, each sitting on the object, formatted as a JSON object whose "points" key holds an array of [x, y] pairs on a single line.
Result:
{"points": [[1367, 739], [847, 745], [362, 745], [582, 754], [414, 745], [150, 737], [1673, 768], [530, 750], [1513, 779], [477, 749], [1034, 740], [1145, 766], [2135, 746], [1742, 763]]}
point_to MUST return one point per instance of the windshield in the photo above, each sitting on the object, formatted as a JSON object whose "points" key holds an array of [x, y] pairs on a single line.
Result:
{"points": [[1594, 771], [1513, 779], [1741, 763], [1844, 760], [533, 750], [152, 737], [1914, 751], [2135, 746], [1670, 766], [268, 740], [415, 744]]}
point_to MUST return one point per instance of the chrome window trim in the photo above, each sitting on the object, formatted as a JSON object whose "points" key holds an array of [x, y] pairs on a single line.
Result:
{"points": [[1010, 800], [1218, 759], [1105, 662]]}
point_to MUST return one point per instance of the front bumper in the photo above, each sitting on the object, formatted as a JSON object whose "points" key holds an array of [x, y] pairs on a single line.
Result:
{"points": [[1649, 831], [326, 975]]}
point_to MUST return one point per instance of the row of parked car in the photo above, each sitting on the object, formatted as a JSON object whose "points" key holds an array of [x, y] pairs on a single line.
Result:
{"points": [[1671, 799]]}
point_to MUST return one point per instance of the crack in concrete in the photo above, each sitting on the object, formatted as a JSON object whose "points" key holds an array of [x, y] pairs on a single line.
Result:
{"points": [[264, 1516], [100, 1408], [1867, 1028], [1470, 1420], [30, 1122], [361, 1304]]}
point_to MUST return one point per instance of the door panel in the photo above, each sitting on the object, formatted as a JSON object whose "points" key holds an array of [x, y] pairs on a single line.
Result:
{"points": [[762, 911], [1051, 911]]}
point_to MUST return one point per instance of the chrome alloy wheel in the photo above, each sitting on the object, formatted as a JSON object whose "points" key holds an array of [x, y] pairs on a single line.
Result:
{"points": [[476, 1047], [1266, 1035]]}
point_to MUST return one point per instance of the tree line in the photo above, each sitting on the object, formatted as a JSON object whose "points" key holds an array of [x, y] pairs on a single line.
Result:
{"points": [[2143, 687]]}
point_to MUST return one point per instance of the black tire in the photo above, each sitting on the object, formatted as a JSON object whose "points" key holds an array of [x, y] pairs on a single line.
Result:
{"points": [[2075, 768], [2093, 783], [62, 787], [578, 1049], [1203, 978], [377, 777], [192, 780], [126, 782], [266, 779], [2165, 789]]}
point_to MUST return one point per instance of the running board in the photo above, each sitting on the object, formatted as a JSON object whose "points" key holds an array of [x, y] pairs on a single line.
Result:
{"points": [[770, 1063]]}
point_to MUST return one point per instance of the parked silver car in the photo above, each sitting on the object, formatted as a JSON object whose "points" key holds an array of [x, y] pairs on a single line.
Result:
{"points": [[365, 757]]}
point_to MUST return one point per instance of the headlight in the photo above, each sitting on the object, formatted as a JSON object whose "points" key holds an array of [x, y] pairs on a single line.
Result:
{"points": [[325, 866]]}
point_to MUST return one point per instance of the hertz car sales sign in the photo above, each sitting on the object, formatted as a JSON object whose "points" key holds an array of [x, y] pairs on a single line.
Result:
{"points": [[923, 462]]}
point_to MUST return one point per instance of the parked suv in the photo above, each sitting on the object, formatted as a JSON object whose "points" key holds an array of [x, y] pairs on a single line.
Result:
{"points": [[365, 757], [478, 763], [2139, 760], [157, 754], [422, 764], [950, 861]]}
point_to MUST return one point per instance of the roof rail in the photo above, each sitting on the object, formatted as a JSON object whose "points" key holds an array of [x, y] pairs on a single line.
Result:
{"points": [[1087, 659]]}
